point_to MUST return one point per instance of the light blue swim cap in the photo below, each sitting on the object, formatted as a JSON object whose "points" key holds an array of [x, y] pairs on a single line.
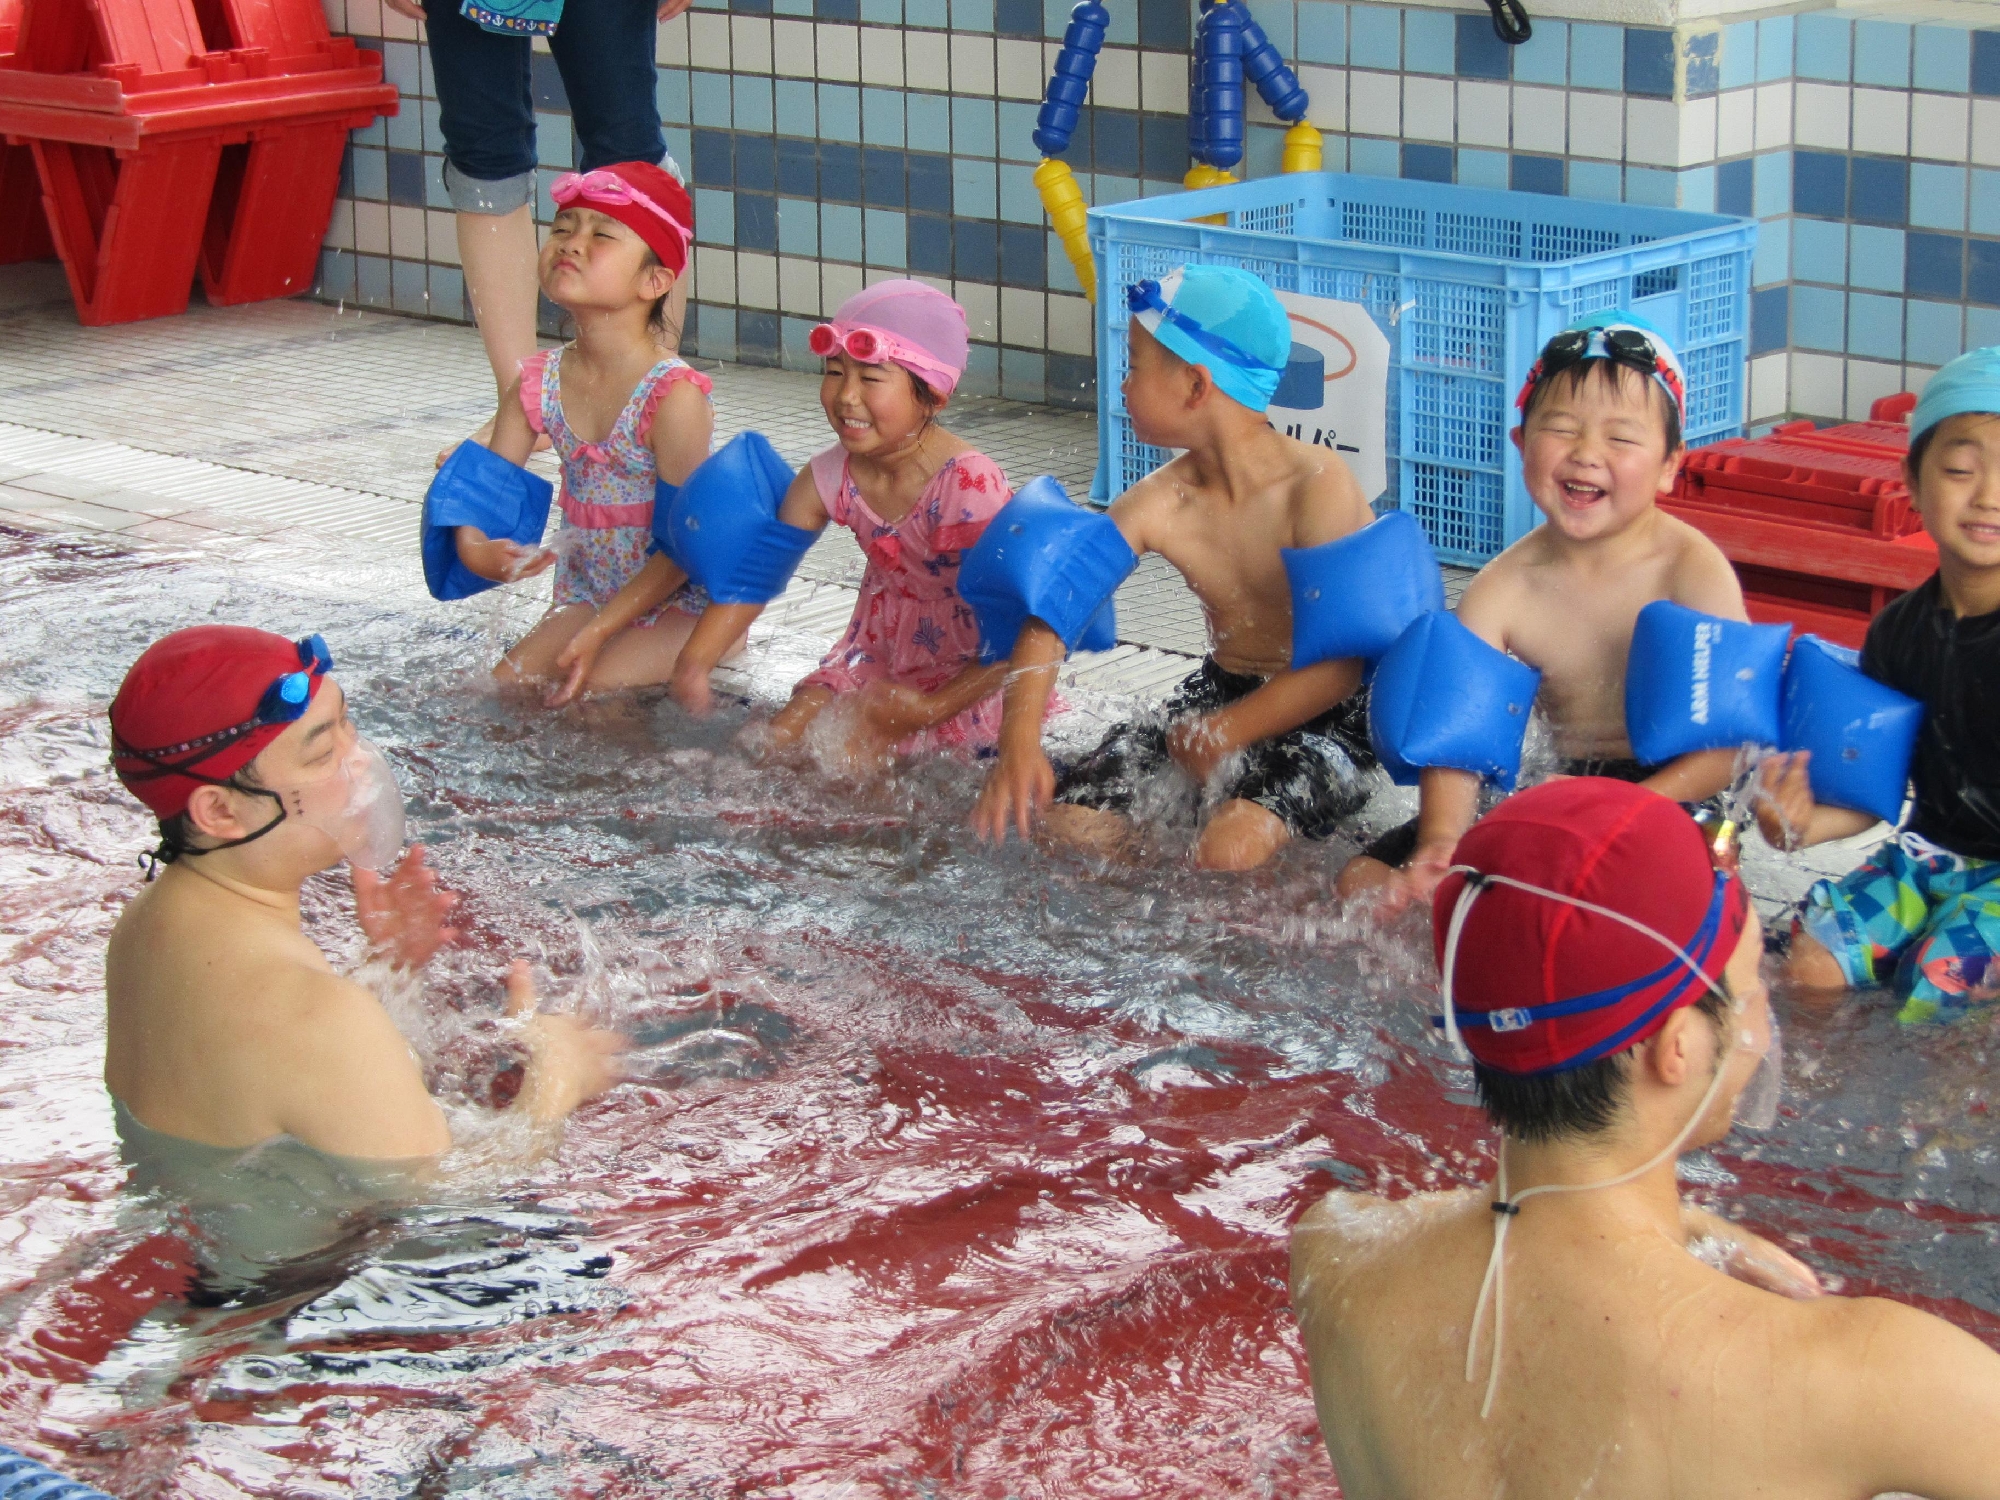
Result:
{"points": [[1223, 319], [1969, 383]]}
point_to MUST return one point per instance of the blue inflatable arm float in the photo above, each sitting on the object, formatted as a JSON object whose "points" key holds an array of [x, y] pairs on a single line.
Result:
{"points": [[1444, 697], [477, 487], [721, 526], [1044, 557], [1696, 682], [1862, 733], [1354, 596]]}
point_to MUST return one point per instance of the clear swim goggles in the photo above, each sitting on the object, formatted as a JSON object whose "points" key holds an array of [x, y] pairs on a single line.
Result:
{"points": [[1621, 343]]}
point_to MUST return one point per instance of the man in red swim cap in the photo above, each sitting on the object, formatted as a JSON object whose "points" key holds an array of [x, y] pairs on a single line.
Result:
{"points": [[1565, 1331], [226, 1026]]}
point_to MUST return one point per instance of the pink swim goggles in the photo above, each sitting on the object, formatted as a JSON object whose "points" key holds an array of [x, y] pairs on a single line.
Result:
{"points": [[611, 189], [875, 346]]}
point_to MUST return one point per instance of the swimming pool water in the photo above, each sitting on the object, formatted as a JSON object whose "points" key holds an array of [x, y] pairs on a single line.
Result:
{"points": [[944, 1172]]}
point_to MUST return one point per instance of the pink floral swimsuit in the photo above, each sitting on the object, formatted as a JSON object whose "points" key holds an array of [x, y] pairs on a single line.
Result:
{"points": [[607, 487], [910, 626]]}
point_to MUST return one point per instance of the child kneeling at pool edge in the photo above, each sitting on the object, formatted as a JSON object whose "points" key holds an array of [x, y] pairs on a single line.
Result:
{"points": [[1600, 442], [1285, 745], [1923, 912]]}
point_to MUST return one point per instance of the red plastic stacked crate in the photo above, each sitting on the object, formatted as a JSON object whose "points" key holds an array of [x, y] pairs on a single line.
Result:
{"points": [[170, 136], [1817, 521]]}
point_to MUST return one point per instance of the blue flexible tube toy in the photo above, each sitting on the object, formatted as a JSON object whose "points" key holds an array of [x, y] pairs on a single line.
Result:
{"points": [[22, 1478], [1265, 65], [1221, 74], [1069, 84], [1197, 109]]}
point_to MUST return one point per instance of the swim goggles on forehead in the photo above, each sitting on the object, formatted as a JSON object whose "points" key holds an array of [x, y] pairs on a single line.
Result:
{"points": [[1621, 343], [1145, 296], [609, 187], [284, 702], [875, 346]]}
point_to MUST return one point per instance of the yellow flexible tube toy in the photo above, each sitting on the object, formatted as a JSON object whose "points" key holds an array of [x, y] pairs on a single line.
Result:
{"points": [[1063, 200]]}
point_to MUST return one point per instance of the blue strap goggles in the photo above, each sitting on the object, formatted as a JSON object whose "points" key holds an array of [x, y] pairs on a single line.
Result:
{"points": [[1144, 296], [284, 702]]}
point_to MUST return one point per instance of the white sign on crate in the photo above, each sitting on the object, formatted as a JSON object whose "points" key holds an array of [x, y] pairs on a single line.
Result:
{"points": [[1335, 393]]}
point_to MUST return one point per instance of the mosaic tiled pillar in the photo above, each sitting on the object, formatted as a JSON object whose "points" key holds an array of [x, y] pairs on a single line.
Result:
{"points": [[831, 142]]}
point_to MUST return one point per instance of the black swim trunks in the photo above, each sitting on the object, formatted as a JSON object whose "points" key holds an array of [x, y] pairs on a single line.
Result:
{"points": [[1395, 847], [1310, 777]]}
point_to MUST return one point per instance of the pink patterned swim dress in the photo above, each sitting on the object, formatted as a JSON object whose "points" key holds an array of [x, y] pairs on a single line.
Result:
{"points": [[607, 487], [910, 625]]}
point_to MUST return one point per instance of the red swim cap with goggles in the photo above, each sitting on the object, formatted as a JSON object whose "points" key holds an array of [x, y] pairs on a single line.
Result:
{"points": [[199, 705], [648, 200], [1535, 982]]}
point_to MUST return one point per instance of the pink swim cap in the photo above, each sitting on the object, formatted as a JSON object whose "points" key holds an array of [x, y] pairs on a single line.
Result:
{"points": [[900, 322]]}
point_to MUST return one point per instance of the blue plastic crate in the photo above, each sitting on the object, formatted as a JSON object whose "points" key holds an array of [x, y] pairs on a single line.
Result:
{"points": [[1467, 284]]}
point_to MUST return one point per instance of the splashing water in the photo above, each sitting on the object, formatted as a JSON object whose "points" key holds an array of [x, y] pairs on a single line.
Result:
{"points": [[943, 1171]]}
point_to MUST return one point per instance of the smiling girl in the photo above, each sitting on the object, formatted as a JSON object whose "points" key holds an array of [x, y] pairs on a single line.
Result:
{"points": [[623, 411]]}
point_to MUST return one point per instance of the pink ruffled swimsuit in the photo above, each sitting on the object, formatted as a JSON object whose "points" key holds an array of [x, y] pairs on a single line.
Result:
{"points": [[607, 487], [910, 626]]}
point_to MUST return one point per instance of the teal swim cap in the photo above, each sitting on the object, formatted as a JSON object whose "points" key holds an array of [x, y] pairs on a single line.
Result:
{"points": [[1223, 319], [1969, 383]]}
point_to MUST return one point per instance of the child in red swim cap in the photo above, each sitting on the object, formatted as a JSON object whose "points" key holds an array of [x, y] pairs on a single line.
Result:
{"points": [[624, 413], [1574, 1328]]}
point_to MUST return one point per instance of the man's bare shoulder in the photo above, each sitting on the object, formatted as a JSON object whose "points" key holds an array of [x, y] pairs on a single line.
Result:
{"points": [[1344, 1231]]}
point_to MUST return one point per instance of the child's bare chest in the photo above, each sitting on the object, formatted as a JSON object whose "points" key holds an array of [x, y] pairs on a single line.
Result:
{"points": [[592, 400]]}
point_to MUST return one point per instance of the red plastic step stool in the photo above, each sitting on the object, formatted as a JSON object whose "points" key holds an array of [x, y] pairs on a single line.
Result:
{"points": [[24, 230], [170, 136]]}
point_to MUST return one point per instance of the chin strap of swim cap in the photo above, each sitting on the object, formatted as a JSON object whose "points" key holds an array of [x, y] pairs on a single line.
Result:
{"points": [[1492, 1287]]}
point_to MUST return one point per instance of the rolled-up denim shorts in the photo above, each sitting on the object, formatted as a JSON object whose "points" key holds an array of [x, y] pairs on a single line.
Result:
{"points": [[486, 102]]}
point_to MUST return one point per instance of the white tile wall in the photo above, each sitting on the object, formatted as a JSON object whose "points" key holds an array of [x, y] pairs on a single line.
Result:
{"points": [[756, 280], [406, 232], [371, 228], [1882, 121], [792, 49], [1938, 126], [926, 54], [1327, 88], [839, 51], [1017, 68], [1375, 103], [750, 44], [1821, 113], [1070, 322], [1115, 84], [340, 228], [670, 43], [1540, 120], [1597, 125], [1482, 114], [1774, 116], [1652, 132], [715, 274], [1986, 132], [1735, 123], [1697, 132], [982, 308], [708, 39], [442, 234], [839, 282], [1023, 318], [1427, 108], [1818, 382], [1867, 382], [882, 56], [1768, 386], [1163, 82], [798, 286], [972, 64]]}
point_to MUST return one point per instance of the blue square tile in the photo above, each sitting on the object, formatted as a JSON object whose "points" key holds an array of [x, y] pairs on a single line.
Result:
{"points": [[882, 117], [1882, 54], [1479, 51], [825, 10], [1536, 174], [1544, 56], [796, 335], [1697, 190], [1425, 163], [1703, 71], [1874, 326], [1163, 146], [1773, 183], [1819, 319], [1017, 132], [370, 171], [1772, 259], [929, 120], [971, 15], [711, 108], [930, 182], [371, 276], [1986, 63], [839, 112], [1770, 321], [404, 130], [1114, 141], [975, 250], [1942, 59], [718, 330], [929, 15], [670, 94], [757, 163], [839, 172], [796, 104], [1933, 332], [839, 232], [1023, 375], [798, 168], [1062, 275], [1875, 258], [1937, 196], [1374, 158], [1263, 152], [1649, 62], [1024, 255], [680, 146], [1487, 169], [545, 82], [1823, 43], [712, 162], [1018, 17], [975, 189], [1819, 183], [555, 144], [1985, 201], [1019, 202], [336, 276], [982, 370], [402, 65], [374, 133], [1819, 251], [1737, 65], [873, 12], [1596, 57], [1103, 190], [884, 182], [1280, 26], [793, 7], [1374, 37], [1733, 181], [883, 228], [1651, 186], [1164, 25], [929, 244], [1322, 30], [1935, 265], [1429, 41], [753, 103], [756, 221], [1073, 381], [409, 287], [1982, 272], [972, 127], [1600, 181], [435, 195], [757, 336], [1982, 327], [1774, 49], [798, 227], [1880, 189], [405, 173], [1124, 28]]}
